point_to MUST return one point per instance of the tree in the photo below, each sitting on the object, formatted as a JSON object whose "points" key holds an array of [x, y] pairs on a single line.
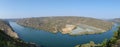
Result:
{"points": [[104, 43], [119, 32], [115, 34], [113, 40], [108, 44]]}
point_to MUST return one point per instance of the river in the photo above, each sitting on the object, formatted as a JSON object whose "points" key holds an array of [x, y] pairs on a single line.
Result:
{"points": [[48, 39]]}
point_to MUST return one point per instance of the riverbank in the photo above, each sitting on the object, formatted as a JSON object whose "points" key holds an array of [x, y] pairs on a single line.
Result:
{"points": [[7, 41], [9, 38], [113, 42], [58, 39], [83, 29]]}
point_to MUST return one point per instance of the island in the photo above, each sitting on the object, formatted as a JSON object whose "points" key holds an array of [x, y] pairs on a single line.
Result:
{"points": [[72, 25]]}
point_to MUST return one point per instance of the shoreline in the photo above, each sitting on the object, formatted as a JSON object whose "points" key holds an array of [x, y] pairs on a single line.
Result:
{"points": [[19, 39]]}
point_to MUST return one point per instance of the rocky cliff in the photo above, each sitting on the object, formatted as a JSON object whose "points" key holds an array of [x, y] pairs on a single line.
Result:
{"points": [[7, 41], [9, 38], [67, 24], [4, 26]]}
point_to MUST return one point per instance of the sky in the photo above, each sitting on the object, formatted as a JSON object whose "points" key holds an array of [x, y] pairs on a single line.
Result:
{"points": [[102, 9]]}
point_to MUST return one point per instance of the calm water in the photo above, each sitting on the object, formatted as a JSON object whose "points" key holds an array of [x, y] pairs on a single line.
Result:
{"points": [[48, 39]]}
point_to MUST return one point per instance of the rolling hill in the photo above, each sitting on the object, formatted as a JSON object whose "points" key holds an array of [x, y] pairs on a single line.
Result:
{"points": [[67, 24]]}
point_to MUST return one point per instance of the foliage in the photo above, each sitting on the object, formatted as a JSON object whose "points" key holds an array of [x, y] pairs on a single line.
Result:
{"points": [[104, 43], [113, 40]]}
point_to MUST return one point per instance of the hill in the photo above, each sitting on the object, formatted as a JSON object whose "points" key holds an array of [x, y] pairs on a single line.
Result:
{"points": [[67, 24], [117, 20], [4, 26]]}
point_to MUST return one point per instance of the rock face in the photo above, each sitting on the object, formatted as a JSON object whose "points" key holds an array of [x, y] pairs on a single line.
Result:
{"points": [[67, 24], [68, 29], [4, 26]]}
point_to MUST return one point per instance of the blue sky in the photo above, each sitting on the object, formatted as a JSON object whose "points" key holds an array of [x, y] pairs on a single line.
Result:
{"points": [[42, 8]]}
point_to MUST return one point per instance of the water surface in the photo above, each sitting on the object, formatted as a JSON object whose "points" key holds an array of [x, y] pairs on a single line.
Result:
{"points": [[48, 39]]}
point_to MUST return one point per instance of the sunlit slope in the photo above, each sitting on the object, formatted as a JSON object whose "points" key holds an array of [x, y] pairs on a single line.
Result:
{"points": [[4, 26], [67, 24]]}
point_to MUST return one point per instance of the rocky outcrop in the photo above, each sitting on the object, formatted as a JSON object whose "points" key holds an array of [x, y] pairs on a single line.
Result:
{"points": [[68, 29], [67, 24], [4, 26]]}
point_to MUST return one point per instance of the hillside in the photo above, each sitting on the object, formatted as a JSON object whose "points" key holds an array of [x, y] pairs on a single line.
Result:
{"points": [[4, 26], [7, 41], [9, 38], [67, 24], [117, 20]]}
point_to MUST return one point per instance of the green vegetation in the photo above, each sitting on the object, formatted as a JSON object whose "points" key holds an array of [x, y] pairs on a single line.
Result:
{"points": [[113, 42], [91, 44]]}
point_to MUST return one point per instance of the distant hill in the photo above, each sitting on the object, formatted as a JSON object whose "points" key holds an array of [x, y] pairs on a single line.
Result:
{"points": [[67, 24], [117, 20], [14, 19]]}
